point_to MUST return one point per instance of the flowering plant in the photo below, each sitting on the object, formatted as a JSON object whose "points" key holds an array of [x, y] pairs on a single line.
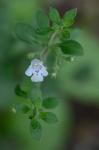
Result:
{"points": [[51, 35]]}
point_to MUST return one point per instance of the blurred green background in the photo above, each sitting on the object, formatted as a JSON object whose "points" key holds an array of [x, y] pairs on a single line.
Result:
{"points": [[79, 78]]}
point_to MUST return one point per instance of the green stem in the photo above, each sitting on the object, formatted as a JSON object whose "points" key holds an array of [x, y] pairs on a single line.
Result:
{"points": [[52, 38], [45, 52]]}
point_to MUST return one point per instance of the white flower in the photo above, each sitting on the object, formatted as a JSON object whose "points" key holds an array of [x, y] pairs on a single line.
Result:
{"points": [[37, 71]]}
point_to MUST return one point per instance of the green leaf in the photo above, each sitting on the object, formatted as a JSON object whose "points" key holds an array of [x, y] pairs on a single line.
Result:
{"points": [[64, 35], [34, 113], [23, 108], [37, 102], [42, 19], [54, 16], [26, 109], [71, 47], [26, 33], [49, 103], [48, 117], [36, 129], [43, 31], [69, 17], [20, 92]]}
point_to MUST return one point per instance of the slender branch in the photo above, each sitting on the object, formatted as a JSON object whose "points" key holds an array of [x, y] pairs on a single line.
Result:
{"points": [[46, 50]]}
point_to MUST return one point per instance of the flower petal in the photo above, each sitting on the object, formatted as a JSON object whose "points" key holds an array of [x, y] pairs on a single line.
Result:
{"points": [[36, 61], [44, 71], [37, 77], [29, 71]]}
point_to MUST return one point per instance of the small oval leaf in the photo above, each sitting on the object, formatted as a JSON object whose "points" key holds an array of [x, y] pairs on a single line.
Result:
{"points": [[69, 17], [43, 31], [54, 15], [36, 129], [48, 117], [49, 103], [23, 108], [71, 47], [42, 19], [20, 92], [26, 33]]}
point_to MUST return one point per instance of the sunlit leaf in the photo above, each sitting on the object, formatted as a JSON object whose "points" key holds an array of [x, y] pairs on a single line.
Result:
{"points": [[69, 17], [48, 117]]}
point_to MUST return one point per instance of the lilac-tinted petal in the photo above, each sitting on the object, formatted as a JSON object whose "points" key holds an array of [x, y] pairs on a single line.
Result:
{"points": [[36, 70], [37, 78], [36, 61], [29, 71], [44, 72]]}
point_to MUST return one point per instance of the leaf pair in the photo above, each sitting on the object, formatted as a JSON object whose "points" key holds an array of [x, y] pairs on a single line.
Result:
{"points": [[36, 113], [28, 34], [33, 35], [68, 47], [49, 103], [48, 117], [68, 18], [35, 126]]}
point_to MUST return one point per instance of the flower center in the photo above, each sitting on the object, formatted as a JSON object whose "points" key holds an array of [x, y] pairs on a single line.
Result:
{"points": [[37, 67]]}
